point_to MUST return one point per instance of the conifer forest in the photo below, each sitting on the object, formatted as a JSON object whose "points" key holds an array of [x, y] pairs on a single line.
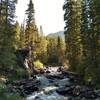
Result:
{"points": [[35, 66]]}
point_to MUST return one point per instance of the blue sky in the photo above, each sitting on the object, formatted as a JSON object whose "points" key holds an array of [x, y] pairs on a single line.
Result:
{"points": [[48, 13]]}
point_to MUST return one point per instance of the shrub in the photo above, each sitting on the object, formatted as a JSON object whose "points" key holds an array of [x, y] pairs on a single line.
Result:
{"points": [[21, 73], [11, 97], [38, 64], [14, 97], [2, 89], [4, 95]]}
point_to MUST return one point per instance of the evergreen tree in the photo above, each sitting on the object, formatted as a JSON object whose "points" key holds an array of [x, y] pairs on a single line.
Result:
{"points": [[41, 31], [95, 27], [72, 19], [93, 44], [90, 40], [60, 50], [22, 37], [41, 49], [84, 33], [31, 32], [1, 13], [17, 35], [52, 51], [7, 33]]}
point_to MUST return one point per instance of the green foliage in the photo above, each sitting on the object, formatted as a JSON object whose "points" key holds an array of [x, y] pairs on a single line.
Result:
{"points": [[5, 95], [55, 50], [17, 35], [2, 89], [14, 97], [7, 57], [90, 38], [11, 97], [21, 73], [22, 37], [38, 64], [82, 36], [31, 31], [72, 19], [52, 51], [60, 50], [41, 49]]}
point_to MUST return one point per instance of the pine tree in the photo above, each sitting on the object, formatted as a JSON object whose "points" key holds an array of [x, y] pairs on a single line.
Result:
{"points": [[93, 45], [7, 34], [17, 35], [60, 50], [31, 32], [52, 51], [22, 37], [41, 49], [41, 31], [72, 19], [1, 13], [84, 34]]}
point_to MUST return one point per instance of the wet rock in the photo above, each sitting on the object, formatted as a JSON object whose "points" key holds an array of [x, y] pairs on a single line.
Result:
{"points": [[89, 95], [44, 81], [31, 89], [37, 98], [50, 89], [25, 86], [56, 76], [74, 77], [97, 92], [77, 90], [47, 71], [65, 91], [42, 71], [63, 83], [36, 71], [97, 98], [59, 69]]}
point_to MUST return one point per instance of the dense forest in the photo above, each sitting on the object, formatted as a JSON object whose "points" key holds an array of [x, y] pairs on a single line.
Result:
{"points": [[82, 35], [79, 52]]}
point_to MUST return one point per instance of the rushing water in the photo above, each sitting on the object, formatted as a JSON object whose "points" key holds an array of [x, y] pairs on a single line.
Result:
{"points": [[48, 87]]}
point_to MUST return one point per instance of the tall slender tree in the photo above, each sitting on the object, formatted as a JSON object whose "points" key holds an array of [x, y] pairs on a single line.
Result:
{"points": [[41, 31], [85, 21], [17, 35], [7, 33], [31, 31], [82, 36], [72, 19], [22, 37], [90, 40], [60, 50], [93, 44]]}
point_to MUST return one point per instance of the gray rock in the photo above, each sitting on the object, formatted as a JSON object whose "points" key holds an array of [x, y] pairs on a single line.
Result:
{"points": [[97, 92], [63, 82]]}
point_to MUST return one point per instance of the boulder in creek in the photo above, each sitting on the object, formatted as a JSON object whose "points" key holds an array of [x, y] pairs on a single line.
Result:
{"points": [[65, 91], [55, 76], [97, 92]]}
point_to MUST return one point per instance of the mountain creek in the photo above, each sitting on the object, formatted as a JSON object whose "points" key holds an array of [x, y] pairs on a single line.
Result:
{"points": [[55, 85]]}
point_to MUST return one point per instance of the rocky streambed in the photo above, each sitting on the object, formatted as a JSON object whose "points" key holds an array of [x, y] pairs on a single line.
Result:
{"points": [[55, 86]]}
